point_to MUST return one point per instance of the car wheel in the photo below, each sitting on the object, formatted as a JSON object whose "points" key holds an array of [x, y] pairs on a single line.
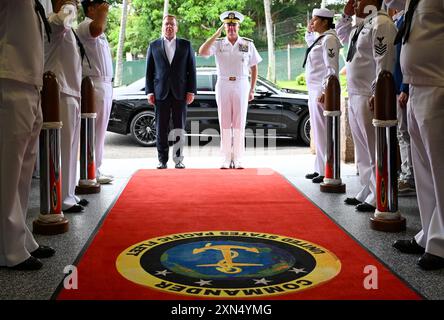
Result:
{"points": [[143, 129], [304, 129]]}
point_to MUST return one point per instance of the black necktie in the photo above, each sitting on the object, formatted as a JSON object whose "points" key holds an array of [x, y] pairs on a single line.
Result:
{"points": [[41, 11], [309, 49], [404, 31], [352, 49], [82, 48]]}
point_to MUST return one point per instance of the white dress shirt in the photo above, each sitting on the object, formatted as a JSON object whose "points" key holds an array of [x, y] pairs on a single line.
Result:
{"points": [[170, 48]]}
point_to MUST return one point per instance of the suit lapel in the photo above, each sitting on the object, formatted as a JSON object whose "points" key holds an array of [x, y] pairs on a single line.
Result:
{"points": [[162, 46]]}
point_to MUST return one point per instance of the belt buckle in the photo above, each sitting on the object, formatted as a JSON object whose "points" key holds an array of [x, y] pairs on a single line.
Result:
{"points": [[232, 78]]}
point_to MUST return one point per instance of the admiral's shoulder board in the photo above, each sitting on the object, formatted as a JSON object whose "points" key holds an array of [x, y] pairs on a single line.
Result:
{"points": [[247, 39], [220, 39]]}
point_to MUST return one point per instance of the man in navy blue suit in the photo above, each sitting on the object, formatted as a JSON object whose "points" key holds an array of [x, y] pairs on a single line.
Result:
{"points": [[170, 86]]}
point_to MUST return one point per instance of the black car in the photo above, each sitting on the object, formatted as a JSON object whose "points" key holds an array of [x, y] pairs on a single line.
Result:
{"points": [[274, 112]]}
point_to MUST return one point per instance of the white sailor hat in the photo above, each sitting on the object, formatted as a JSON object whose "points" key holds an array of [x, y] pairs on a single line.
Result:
{"points": [[231, 17], [322, 12]]}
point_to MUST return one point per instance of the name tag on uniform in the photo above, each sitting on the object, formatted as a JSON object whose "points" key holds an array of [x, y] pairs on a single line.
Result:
{"points": [[243, 47]]}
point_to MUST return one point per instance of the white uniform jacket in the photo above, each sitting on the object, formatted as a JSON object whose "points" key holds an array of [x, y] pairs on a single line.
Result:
{"points": [[323, 59], [375, 52], [16, 62], [62, 56], [422, 61], [98, 51], [234, 60]]}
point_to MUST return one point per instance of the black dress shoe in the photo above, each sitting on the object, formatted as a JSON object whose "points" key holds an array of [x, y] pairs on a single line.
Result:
{"points": [[83, 202], [352, 201], [162, 165], [43, 252], [318, 179], [429, 261], [365, 207], [311, 175], [77, 208], [180, 165], [29, 264], [408, 246]]}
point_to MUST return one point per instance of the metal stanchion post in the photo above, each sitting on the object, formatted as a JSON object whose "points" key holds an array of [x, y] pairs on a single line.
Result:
{"points": [[51, 219], [387, 217], [332, 179], [87, 183]]}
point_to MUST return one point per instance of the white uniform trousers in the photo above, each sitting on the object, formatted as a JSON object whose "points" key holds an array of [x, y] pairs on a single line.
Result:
{"points": [[425, 114], [70, 138], [361, 124], [404, 147], [20, 124], [318, 124], [103, 98], [232, 107]]}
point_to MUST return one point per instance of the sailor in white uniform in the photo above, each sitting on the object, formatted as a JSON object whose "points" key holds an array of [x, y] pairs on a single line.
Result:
{"points": [[406, 180], [21, 79], [236, 60], [62, 57], [422, 64], [321, 62], [371, 51], [100, 69]]}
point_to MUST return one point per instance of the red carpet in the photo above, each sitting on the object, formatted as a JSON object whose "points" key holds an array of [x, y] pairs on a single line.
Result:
{"points": [[158, 203]]}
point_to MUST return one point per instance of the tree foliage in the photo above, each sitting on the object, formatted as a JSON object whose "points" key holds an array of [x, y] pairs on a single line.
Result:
{"points": [[199, 19]]}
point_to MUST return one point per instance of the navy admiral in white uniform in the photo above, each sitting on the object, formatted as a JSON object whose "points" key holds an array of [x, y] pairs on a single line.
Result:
{"points": [[422, 64], [371, 51], [63, 58], [236, 60], [21, 78], [100, 69], [321, 62]]}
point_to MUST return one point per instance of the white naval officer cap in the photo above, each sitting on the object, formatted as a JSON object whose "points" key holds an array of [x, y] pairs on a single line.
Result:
{"points": [[324, 13], [231, 17]]}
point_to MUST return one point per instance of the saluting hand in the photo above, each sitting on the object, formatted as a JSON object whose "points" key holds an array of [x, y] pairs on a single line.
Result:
{"points": [[349, 8], [102, 9], [219, 31]]}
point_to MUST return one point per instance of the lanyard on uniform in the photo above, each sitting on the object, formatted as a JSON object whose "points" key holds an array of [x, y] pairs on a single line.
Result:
{"points": [[404, 31], [352, 49], [309, 49], [82, 48], [41, 11]]}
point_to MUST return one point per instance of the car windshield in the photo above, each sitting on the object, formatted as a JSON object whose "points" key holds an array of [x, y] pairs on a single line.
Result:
{"points": [[270, 84]]}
